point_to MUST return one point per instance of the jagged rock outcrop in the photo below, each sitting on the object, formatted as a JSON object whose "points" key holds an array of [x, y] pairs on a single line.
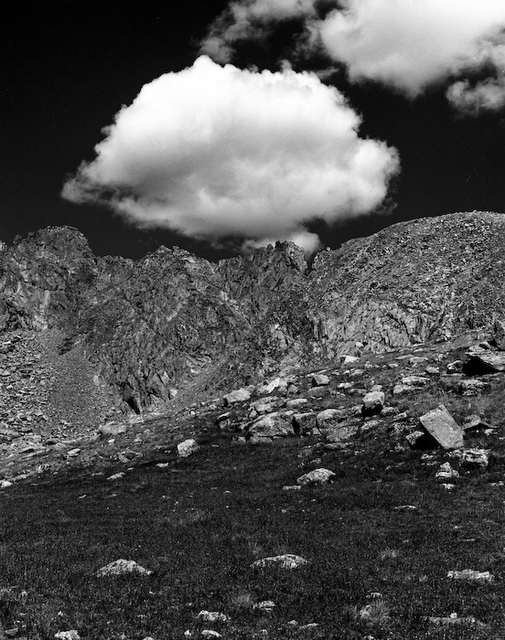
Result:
{"points": [[42, 278], [173, 322]]}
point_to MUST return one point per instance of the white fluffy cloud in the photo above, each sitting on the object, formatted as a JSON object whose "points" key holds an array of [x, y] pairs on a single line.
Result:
{"points": [[411, 44], [215, 152], [408, 45]]}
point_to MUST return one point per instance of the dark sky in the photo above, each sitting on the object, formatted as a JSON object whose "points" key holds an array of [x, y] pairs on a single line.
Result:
{"points": [[68, 67]]}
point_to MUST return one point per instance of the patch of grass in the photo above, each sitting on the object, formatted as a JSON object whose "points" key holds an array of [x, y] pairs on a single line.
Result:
{"points": [[198, 524]]}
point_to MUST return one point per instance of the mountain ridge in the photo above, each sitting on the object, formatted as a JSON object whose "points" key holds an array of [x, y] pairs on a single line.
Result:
{"points": [[172, 320]]}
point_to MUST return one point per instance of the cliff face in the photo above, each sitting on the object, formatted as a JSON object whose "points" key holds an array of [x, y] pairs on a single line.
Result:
{"points": [[172, 320]]}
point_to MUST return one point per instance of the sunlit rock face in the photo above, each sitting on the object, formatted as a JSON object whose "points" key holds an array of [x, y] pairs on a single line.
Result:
{"points": [[173, 322]]}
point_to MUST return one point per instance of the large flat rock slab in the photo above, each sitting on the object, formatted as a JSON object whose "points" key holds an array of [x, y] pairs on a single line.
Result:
{"points": [[441, 425]]}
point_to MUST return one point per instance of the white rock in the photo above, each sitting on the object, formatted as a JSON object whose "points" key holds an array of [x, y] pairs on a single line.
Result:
{"points": [[470, 575], [446, 472], [277, 384], [239, 395], [317, 476], [5, 484], [120, 567], [67, 635], [373, 402], [285, 561], [320, 380], [349, 359], [265, 605], [213, 616], [208, 633], [187, 448], [116, 476]]}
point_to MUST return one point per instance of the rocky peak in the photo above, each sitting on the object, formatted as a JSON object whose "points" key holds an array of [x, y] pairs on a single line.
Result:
{"points": [[43, 276]]}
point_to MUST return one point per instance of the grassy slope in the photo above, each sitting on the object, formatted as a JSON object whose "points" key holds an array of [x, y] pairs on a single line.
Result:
{"points": [[199, 523]]}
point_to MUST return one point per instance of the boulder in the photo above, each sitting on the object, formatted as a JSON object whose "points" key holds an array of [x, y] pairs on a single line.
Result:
{"points": [[443, 428], [320, 380], [239, 395], [373, 403], [318, 392], [266, 405], [273, 425], [296, 403], [304, 423], [474, 422], [187, 448], [317, 476], [482, 361], [111, 429], [121, 567], [334, 425]]}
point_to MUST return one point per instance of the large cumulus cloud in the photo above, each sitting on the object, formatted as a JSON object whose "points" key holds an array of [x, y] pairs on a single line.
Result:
{"points": [[215, 152]]}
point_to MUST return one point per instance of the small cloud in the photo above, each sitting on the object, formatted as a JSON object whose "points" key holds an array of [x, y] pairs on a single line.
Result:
{"points": [[217, 152], [488, 95], [249, 20]]}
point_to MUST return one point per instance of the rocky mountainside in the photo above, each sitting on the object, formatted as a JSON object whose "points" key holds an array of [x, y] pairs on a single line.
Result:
{"points": [[172, 323]]}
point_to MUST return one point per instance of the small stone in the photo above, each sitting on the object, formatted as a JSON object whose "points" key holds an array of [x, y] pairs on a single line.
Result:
{"points": [[414, 381], [208, 633], [5, 484], [446, 472], [73, 453], [265, 605], [291, 487], [475, 458], [285, 561], [116, 476], [320, 380]]}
